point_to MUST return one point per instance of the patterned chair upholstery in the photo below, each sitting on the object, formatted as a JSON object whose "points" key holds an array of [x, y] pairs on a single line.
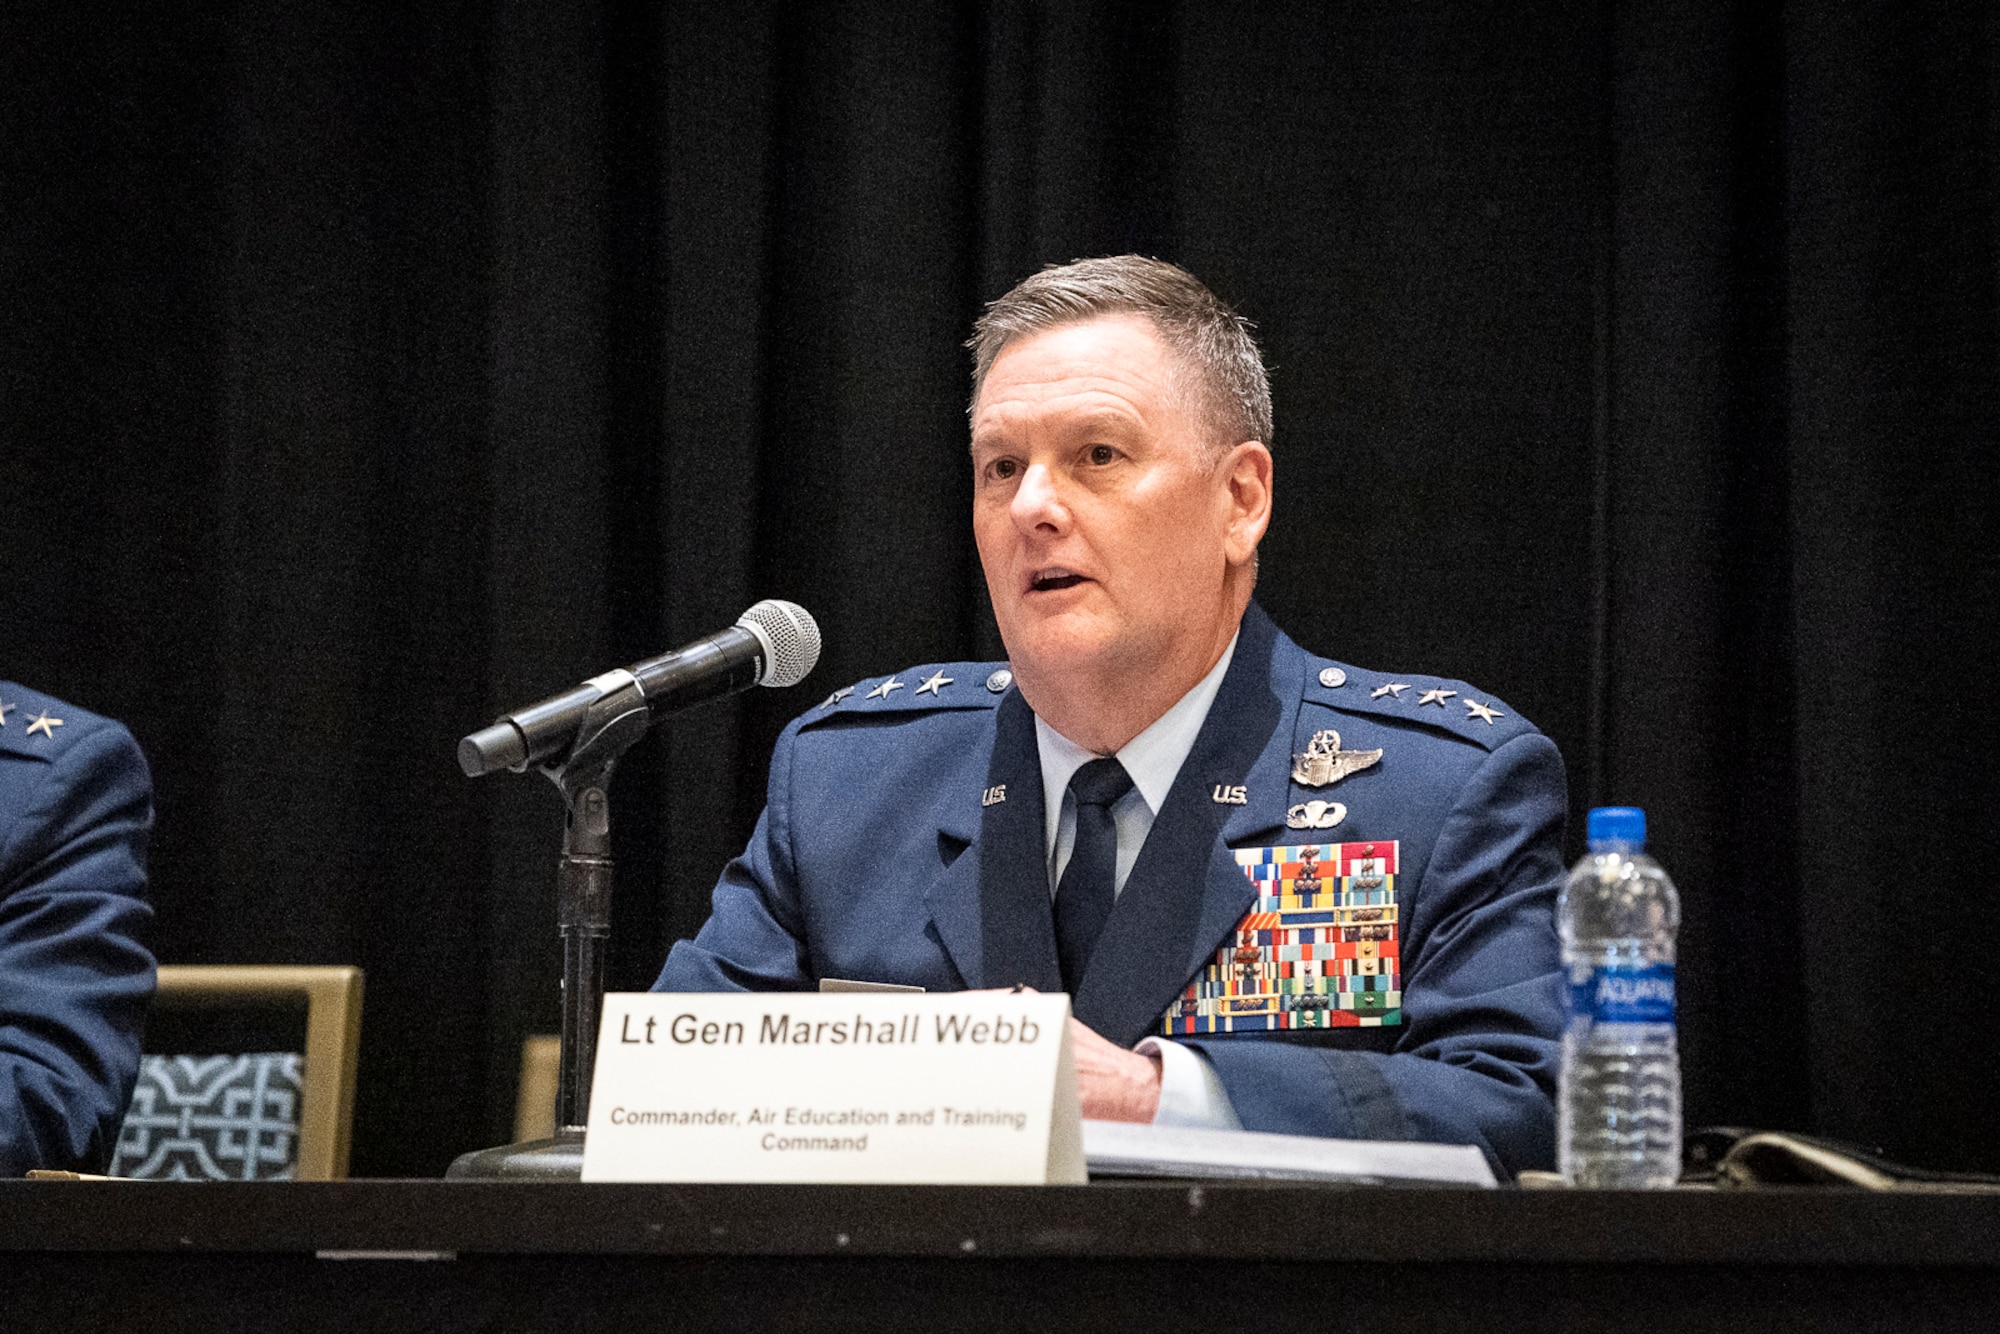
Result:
{"points": [[213, 1118], [255, 1116]]}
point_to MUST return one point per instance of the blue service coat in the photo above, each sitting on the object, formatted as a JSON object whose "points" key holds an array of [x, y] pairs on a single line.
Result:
{"points": [[904, 841], [76, 809]]}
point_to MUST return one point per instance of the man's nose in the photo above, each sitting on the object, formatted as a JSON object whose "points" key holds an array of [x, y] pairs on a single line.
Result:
{"points": [[1038, 504]]}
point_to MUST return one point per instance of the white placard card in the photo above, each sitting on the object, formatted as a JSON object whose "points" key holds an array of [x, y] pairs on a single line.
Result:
{"points": [[968, 1088]]}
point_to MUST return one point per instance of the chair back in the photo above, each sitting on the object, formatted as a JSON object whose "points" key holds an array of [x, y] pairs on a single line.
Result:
{"points": [[250, 1116], [535, 1097]]}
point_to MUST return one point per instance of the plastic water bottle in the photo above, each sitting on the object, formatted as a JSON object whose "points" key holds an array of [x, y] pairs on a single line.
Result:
{"points": [[1619, 1100]]}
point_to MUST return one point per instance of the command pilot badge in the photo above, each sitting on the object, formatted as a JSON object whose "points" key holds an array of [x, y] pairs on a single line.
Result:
{"points": [[1325, 763]]}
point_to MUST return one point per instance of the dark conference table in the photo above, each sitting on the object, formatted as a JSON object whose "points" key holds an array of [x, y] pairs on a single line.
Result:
{"points": [[1158, 1256]]}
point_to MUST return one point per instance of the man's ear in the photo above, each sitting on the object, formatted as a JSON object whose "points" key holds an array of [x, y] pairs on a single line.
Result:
{"points": [[1246, 477]]}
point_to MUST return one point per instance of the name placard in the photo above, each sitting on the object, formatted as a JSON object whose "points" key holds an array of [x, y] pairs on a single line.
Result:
{"points": [[967, 1088]]}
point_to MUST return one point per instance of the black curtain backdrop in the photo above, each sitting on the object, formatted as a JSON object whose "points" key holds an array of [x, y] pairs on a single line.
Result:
{"points": [[366, 371]]}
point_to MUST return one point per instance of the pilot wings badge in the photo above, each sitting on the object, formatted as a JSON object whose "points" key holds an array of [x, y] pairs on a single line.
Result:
{"points": [[1325, 763]]}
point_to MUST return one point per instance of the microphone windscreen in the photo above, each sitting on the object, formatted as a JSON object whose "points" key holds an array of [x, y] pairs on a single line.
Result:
{"points": [[790, 634]]}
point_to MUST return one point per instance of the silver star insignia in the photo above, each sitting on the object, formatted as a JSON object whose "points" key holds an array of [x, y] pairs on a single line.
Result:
{"points": [[934, 683], [1325, 763], [41, 722], [882, 691], [1437, 697], [1484, 713], [1394, 690], [5, 709], [836, 697]]}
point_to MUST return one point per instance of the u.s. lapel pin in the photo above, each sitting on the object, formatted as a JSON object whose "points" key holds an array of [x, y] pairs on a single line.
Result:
{"points": [[1324, 763], [1315, 815]]}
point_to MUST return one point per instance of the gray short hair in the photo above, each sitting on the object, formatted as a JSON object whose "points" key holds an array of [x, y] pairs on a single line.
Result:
{"points": [[1232, 393]]}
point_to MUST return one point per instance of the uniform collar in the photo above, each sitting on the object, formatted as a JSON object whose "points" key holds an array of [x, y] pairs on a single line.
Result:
{"points": [[990, 901], [1153, 758]]}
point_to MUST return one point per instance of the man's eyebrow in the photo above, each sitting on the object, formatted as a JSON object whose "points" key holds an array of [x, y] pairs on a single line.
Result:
{"points": [[1093, 421], [1100, 420]]}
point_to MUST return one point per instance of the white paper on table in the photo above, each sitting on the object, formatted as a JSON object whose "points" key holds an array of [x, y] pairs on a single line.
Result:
{"points": [[1116, 1148]]}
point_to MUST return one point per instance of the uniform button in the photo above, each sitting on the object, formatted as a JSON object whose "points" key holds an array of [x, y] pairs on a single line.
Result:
{"points": [[1332, 677], [1000, 680]]}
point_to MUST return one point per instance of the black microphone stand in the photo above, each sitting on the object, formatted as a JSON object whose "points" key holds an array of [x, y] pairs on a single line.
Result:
{"points": [[583, 913]]}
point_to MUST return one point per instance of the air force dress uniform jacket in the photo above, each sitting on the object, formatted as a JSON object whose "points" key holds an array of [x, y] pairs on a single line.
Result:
{"points": [[75, 976], [1390, 972]]}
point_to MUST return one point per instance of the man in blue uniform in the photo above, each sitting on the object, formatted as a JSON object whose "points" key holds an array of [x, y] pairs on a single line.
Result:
{"points": [[1284, 893], [76, 807]]}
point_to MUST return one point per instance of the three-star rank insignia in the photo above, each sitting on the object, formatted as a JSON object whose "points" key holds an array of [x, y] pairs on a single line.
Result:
{"points": [[1319, 947], [1324, 763]]}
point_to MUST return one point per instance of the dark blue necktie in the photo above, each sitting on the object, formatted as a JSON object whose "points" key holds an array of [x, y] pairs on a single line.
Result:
{"points": [[1087, 890]]}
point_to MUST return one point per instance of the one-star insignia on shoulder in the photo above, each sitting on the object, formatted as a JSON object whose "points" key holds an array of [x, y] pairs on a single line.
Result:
{"points": [[933, 683], [1393, 690], [43, 723], [1484, 713], [882, 691], [1437, 697]]}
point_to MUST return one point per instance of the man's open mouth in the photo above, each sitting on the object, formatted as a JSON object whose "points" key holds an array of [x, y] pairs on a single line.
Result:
{"points": [[1048, 581]]}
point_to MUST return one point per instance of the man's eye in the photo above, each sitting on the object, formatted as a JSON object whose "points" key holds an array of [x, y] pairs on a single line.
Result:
{"points": [[1003, 469], [1102, 454]]}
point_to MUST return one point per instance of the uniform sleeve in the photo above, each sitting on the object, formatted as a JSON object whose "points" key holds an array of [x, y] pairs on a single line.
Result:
{"points": [[754, 939], [1191, 1094], [75, 974], [1482, 1011]]}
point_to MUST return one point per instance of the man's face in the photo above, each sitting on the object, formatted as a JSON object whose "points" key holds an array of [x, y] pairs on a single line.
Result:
{"points": [[1105, 539]]}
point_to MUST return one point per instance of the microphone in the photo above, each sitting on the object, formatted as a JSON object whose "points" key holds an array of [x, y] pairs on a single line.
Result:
{"points": [[772, 644]]}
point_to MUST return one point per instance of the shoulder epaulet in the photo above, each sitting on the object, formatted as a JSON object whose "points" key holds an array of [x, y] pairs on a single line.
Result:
{"points": [[925, 689], [35, 724], [1450, 706]]}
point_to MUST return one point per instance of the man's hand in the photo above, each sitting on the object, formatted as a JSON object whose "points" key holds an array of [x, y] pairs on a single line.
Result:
{"points": [[1116, 1084]]}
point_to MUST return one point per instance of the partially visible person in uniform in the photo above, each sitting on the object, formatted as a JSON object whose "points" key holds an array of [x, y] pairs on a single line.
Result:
{"points": [[76, 808], [1283, 892]]}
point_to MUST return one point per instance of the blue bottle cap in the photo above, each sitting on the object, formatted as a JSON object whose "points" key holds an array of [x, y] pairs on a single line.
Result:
{"points": [[1617, 824]]}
